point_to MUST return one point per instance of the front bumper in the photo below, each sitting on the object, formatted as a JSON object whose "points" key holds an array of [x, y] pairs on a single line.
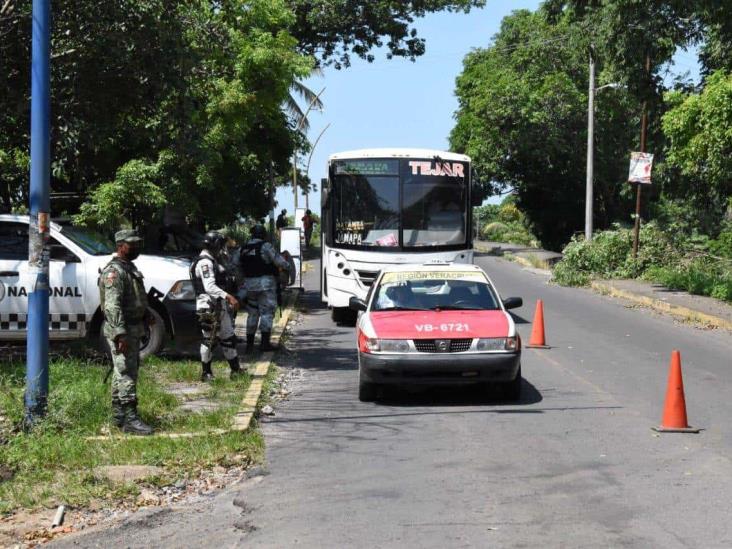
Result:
{"points": [[439, 368]]}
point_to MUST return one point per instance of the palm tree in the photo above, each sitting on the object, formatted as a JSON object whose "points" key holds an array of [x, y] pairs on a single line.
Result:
{"points": [[309, 96]]}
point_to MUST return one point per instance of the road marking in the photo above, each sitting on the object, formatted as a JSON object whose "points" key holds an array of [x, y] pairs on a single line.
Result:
{"points": [[663, 306]]}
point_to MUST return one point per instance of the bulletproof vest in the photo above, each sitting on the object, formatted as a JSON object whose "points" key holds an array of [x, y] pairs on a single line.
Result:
{"points": [[252, 264], [135, 298], [219, 277]]}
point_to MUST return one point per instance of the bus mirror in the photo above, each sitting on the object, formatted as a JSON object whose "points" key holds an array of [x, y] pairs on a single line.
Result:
{"points": [[356, 304]]}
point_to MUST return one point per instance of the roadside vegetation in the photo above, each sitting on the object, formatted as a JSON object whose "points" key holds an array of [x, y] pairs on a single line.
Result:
{"points": [[504, 223], [55, 463]]}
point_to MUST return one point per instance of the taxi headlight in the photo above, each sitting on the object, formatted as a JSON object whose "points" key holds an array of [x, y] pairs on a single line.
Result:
{"points": [[498, 344], [182, 290], [393, 345]]}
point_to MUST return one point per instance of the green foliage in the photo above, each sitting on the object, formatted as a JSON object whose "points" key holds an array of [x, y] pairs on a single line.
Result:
{"points": [[522, 118], [701, 276], [609, 255], [133, 196], [53, 464], [700, 142], [334, 30], [504, 223]]}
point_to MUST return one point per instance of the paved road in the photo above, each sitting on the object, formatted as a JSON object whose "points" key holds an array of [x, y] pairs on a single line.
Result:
{"points": [[574, 464]]}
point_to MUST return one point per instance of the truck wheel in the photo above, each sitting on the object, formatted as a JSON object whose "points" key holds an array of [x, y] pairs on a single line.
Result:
{"points": [[152, 342]]}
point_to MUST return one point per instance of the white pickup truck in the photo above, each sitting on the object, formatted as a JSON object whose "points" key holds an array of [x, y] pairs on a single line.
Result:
{"points": [[76, 259]]}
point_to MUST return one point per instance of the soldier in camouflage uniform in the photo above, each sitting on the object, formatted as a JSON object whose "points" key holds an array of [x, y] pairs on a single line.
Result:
{"points": [[124, 304], [260, 263]]}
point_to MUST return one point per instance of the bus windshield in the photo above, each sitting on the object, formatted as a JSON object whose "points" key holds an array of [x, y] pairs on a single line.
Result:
{"points": [[399, 203]]}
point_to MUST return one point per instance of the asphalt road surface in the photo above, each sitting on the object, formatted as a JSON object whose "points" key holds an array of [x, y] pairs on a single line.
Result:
{"points": [[574, 464]]}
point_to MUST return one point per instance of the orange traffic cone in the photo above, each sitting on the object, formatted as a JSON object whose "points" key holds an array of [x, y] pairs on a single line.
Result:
{"points": [[538, 341], [674, 410]]}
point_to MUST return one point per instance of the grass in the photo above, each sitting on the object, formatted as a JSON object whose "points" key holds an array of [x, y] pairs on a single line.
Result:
{"points": [[54, 462]]}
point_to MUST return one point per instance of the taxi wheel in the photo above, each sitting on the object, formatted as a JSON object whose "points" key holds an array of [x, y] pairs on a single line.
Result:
{"points": [[366, 391], [512, 389]]}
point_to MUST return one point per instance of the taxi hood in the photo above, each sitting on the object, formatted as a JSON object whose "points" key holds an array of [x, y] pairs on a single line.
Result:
{"points": [[440, 324]]}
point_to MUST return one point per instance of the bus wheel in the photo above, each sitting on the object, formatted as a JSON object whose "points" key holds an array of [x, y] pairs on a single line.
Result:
{"points": [[338, 314]]}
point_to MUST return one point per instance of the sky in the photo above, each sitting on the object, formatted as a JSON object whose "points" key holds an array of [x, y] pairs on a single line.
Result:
{"points": [[400, 103]]}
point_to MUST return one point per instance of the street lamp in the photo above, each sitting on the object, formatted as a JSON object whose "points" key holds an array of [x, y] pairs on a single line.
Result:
{"points": [[307, 169], [589, 198], [294, 154]]}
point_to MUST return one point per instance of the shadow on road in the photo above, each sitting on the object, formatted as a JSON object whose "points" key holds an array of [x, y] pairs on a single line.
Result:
{"points": [[469, 395]]}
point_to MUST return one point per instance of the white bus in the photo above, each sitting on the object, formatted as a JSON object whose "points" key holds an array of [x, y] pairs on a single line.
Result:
{"points": [[389, 206]]}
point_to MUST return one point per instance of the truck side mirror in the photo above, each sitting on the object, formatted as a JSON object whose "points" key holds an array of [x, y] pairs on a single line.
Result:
{"points": [[58, 252], [356, 304]]}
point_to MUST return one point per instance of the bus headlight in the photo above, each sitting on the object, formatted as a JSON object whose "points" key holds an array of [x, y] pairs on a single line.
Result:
{"points": [[182, 290]]}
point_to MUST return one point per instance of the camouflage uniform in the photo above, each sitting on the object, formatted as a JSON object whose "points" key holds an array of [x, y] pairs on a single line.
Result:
{"points": [[124, 304], [261, 289]]}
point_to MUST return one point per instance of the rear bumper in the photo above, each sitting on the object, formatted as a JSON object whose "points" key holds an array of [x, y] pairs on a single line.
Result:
{"points": [[448, 368]]}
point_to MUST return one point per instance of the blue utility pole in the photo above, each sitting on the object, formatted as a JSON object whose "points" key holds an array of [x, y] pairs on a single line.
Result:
{"points": [[36, 393]]}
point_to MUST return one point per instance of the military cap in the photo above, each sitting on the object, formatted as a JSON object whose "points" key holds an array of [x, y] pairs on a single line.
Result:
{"points": [[127, 235]]}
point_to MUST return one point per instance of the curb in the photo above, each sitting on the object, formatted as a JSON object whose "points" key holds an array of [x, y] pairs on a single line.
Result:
{"points": [[662, 306], [248, 406]]}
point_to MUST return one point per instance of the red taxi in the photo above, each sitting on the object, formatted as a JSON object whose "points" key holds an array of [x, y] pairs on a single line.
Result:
{"points": [[436, 324]]}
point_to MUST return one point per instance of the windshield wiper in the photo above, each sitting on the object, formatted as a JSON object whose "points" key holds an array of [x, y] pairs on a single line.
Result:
{"points": [[399, 309], [455, 308]]}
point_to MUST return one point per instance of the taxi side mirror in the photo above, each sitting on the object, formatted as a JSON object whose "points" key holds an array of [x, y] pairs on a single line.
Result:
{"points": [[513, 302], [356, 304]]}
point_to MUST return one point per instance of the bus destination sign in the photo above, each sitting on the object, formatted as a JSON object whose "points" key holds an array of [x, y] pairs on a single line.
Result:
{"points": [[367, 167]]}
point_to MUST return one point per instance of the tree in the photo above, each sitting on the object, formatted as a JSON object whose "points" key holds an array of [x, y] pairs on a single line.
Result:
{"points": [[334, 30], [522, 117], [697, 126], [193, 88]]}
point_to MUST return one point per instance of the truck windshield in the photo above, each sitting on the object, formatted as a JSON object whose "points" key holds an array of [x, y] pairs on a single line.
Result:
{"points": [[401, 204], [90, 241]]}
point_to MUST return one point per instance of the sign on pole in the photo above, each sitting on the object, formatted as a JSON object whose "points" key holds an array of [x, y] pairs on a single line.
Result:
{"points": [[641, 166]]}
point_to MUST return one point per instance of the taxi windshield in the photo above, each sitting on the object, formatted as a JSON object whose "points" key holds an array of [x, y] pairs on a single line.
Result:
{"points": [[90, 241], [443, 291]]}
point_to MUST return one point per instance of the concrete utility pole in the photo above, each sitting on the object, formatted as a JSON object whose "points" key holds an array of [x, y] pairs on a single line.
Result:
{"points": [[307, 169], [589, 190], [643, 138], [36, 392], [294, 155]]}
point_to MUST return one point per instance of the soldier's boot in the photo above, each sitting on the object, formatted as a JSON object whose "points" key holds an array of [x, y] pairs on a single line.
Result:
{"points": [[133, 424], [250, 343], [266, 345], [206, 372], [118, 413], [236, 369]]}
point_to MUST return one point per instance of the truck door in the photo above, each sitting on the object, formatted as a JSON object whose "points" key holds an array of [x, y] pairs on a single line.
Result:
{"points": [[13, 296], [68, 290]]}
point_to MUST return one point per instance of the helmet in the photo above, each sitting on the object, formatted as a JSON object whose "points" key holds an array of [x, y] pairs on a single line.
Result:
{"points": [[258, 231], [213, 241]]}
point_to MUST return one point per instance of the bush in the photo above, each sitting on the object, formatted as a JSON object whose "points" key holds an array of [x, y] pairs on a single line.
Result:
{"points": [[700, 276], [610, 255]]}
